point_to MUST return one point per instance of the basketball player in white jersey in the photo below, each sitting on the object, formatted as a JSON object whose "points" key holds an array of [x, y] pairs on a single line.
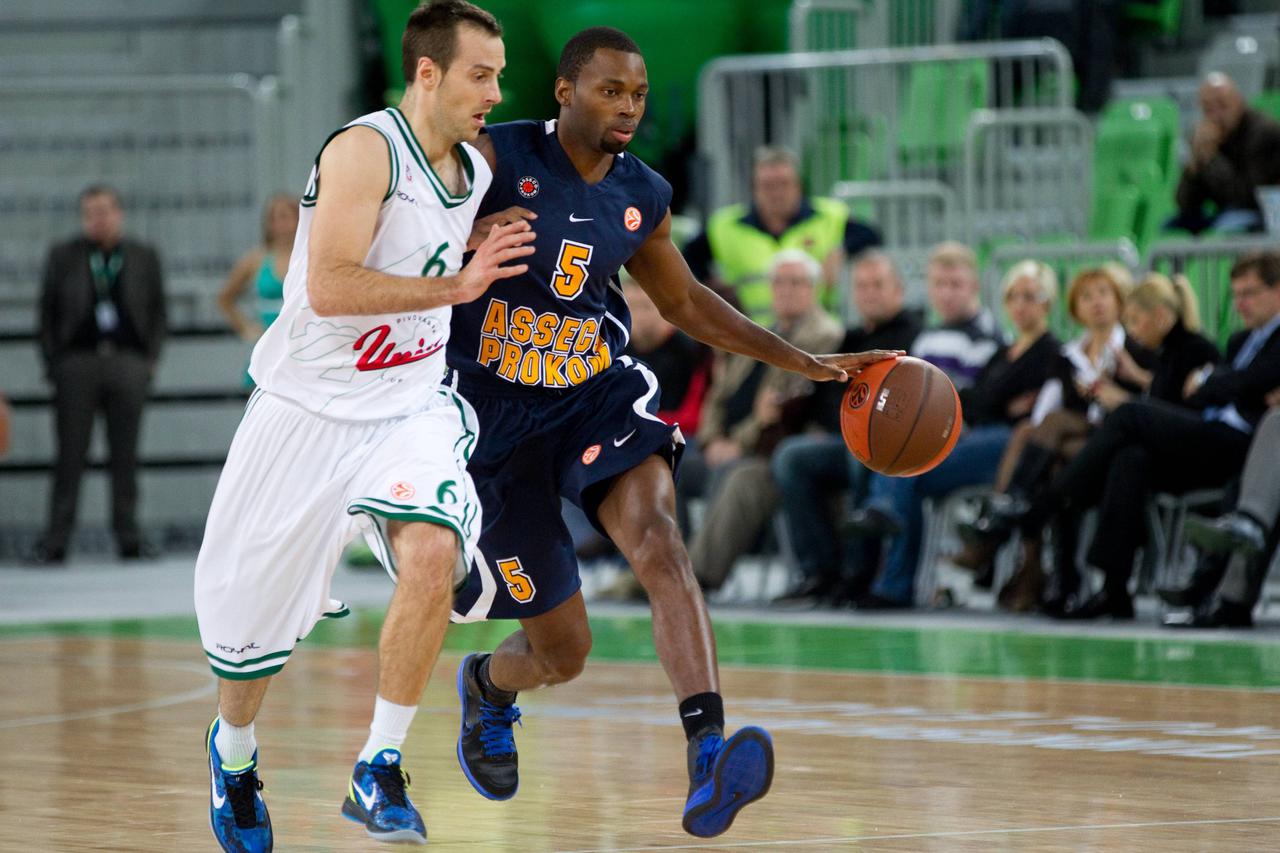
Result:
{"points": [[338, 441]]}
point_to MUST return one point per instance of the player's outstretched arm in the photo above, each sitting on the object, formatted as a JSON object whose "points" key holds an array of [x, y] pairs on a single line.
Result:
{"points": [[354, 175], [691, 306]]}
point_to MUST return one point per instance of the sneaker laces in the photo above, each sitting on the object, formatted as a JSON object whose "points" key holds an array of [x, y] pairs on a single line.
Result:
{"points": [[392, 779], [241, 790], [707, 752], [497, 736]]}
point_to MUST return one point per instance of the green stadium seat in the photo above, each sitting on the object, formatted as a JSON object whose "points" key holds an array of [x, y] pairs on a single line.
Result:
{"points": [[1269, 103], [940, 97], [1159, 16], [1116, 212]]}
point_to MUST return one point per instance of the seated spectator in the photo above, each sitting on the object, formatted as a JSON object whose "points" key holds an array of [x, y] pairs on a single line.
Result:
{"points": [[1233, 152], [813, 468], [750, 407], [1064, 414], [1150, 446], [739, 241], [1002, 394], [1247, 533]]}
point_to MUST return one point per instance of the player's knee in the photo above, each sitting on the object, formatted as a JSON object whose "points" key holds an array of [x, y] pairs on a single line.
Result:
{"points": [[425, 556], [569, 658], [659, 553]]}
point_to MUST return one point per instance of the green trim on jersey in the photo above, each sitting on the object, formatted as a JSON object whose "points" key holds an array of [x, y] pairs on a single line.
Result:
{"points": [[399, 512], [447, 198], [469, 433], [393, 158], [250, 662]]}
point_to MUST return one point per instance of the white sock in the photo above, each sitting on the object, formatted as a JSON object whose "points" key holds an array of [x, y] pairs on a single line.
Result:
{"points": [[389, 728], [236, 744]]}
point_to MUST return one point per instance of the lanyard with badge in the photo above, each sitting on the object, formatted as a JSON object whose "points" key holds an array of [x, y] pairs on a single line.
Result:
{"points": [[105, 272]]}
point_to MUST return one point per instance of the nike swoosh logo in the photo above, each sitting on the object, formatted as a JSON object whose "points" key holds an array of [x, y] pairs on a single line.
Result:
{"points": [[618, 442], [573, 218], [694, 713], [213, 787], [368, 799]]}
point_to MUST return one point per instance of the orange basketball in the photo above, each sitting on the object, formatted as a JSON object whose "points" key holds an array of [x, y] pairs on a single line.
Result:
{"points": [[900, 416]]}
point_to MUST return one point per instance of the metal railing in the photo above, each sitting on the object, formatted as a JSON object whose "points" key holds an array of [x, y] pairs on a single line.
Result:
{"points": [[1207, 264], [845, 24], [908, 214], [1066, 259], [881, 114], [1027, 172], [186, 153]]}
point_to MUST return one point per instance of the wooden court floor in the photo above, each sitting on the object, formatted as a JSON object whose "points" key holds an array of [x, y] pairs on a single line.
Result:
{"points": [[101, 748]]}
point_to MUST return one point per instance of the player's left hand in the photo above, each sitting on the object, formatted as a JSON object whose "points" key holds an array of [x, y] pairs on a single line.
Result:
{"points": [[481, 227], [839, 367]]}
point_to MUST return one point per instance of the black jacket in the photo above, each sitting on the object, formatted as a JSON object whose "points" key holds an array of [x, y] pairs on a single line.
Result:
{"points": [[896, 333], [1002, 381], [1181, 353], [1244, 388], [66, 301], [1246, 159]]}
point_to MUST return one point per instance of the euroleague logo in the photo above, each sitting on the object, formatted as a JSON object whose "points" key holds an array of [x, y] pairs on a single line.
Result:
{"points": [[861, 393], [589, 455], [632, 218], [527, 186], [402, 491]]}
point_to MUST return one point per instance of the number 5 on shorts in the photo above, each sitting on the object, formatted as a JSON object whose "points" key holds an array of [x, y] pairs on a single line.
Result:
{"points": [[519, 584]]}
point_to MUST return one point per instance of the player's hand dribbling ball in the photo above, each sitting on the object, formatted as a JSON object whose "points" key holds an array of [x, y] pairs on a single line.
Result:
{"points": [[900, 416]]}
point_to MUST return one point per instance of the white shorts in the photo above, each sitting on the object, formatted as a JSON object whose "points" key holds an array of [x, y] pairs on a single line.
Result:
{"points": [[295, 490]]}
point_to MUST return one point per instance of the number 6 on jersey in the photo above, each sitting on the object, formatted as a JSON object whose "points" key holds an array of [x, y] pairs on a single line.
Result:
{"points": [[571, 269]]}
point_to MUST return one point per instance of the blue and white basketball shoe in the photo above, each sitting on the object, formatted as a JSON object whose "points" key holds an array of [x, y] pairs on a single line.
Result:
{"points": [[237, 812], [376, 797], [725, 776]]}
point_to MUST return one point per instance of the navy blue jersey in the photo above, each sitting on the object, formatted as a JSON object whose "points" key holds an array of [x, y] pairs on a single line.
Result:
{"points": [[564, 320]]}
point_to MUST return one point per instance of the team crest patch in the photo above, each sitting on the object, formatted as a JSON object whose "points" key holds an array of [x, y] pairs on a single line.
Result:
{"points": [[632, 218], [527, 186], [589, 455], [402, 491]]}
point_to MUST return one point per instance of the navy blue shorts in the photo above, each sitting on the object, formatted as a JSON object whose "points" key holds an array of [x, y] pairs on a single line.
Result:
{"points": [[534, 450]]}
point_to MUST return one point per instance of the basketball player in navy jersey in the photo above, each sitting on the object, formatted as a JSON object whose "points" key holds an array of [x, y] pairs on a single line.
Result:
{"points": [[563, 415]]}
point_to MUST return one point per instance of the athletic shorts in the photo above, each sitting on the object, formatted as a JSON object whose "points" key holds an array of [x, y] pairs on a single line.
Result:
{"points": [[295, 490], [533, 451]]}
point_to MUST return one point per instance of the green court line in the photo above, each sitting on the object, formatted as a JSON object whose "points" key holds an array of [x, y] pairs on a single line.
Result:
{"points": [[856, 648]]}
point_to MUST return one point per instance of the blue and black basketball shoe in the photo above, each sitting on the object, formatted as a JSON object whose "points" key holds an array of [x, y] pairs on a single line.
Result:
{"points": [[237, 812], [486, 740], [725, 776], [376, 797]]}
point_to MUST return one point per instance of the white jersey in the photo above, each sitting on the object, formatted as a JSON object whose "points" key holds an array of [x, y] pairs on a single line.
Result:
{"points": [[372, 367]]}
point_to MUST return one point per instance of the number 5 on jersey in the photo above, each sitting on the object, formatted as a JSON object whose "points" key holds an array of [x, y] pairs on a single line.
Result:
{"points": [[519, 584], [571, 269]]}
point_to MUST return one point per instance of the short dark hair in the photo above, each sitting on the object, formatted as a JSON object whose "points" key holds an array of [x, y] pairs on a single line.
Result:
{"points": [[579, 49], [1265, 264], [432, 31], [99, 189]]}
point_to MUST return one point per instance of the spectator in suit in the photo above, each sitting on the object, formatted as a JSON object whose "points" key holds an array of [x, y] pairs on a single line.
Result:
{"points": [[750, 407], [1233, 152], [1002, 394], [1246, 535], [1149, 446], [739, 242], [812, 469], [102, 323]]}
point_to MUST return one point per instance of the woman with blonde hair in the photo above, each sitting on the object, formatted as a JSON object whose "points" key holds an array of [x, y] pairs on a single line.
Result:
{"points": [[262, 269], [1065, 413]]}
